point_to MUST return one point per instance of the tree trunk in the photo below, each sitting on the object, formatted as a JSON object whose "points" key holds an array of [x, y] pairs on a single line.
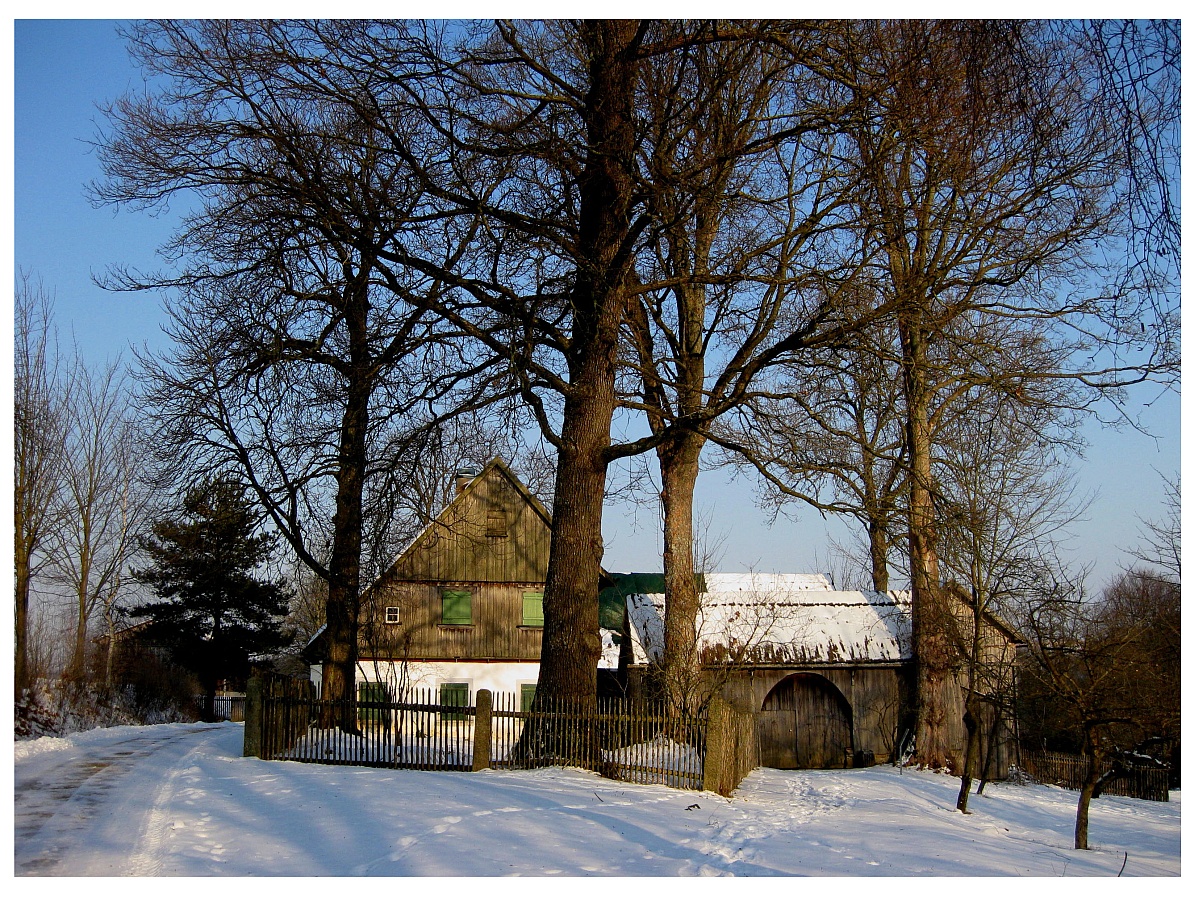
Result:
{"points": [[1091, 776], [21, 674], [992, 742], [877, 538], [77, 667], [571, 632], [679, 463], [930, 647], [571, 635], [342, 605], [971, 727]]}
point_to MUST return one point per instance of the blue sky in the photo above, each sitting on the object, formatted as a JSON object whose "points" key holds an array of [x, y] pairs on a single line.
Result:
{"points": [[63, 69]]}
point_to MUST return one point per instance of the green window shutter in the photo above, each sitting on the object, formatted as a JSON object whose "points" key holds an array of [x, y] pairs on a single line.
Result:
{"points": [[456, 694], [456, 607], [531, 609], [372, 692], [527, 693]]}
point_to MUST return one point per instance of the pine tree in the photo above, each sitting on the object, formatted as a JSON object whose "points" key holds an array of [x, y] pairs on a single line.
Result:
{"points": [[214, 612]]}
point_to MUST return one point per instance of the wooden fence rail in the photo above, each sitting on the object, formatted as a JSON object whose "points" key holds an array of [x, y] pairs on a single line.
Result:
{"points": [[1067, 771], [630, 741]]}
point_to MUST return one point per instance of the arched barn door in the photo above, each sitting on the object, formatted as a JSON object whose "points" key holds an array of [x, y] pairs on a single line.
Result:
{"points": [[805, 724]]}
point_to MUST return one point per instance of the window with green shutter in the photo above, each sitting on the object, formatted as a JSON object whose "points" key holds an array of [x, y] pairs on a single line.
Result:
{"points": [[372, 693], [531, 609], [527, 693], [455, 694], [456, 607]]}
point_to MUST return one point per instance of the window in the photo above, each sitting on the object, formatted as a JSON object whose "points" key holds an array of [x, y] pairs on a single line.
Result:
{"points": [[497, 524], [456, 694], [527, 693], [372, 693], [391, 615], [531, 609], [456, 607]]}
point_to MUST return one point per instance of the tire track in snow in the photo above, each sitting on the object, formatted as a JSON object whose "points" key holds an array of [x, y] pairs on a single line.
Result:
{"points": [[56, 816]]}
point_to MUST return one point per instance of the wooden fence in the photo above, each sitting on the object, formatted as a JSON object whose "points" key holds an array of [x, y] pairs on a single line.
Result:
{"points": [[630, 741], [1067, 771]]}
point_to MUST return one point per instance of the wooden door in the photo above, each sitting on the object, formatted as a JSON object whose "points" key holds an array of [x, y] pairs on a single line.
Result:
{"points": [[805, 724]]}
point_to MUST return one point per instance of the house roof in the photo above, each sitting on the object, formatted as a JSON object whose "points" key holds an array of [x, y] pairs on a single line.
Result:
{"points": [[449, 515], [794, 618]]}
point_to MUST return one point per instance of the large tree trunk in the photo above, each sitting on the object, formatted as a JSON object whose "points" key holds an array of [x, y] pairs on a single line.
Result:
{"points": [[679, 464], [931, 649], [1091, 776], [571, 635], [342, 605]]}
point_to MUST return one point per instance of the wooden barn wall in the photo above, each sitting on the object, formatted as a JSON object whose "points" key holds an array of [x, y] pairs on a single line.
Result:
{"points": [[458, 547], [875, 696], [496, 632]]}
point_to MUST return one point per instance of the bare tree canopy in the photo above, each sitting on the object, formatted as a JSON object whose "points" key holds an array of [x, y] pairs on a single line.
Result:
{"points": [[388, 225], [40, 408]]}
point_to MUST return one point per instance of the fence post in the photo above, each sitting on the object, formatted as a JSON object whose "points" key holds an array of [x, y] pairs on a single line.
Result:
{"points": [[252, 737], [481, 753], [716, 745]]}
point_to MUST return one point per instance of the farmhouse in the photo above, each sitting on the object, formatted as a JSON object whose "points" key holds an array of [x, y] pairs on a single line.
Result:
{"points": [[460, 608], [828, 672]]}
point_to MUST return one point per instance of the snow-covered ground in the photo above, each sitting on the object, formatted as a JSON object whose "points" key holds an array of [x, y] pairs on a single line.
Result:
{"points": [[180, 800]]}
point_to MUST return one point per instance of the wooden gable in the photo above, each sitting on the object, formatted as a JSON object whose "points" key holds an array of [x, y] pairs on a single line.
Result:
{"points": [[495, 530]]}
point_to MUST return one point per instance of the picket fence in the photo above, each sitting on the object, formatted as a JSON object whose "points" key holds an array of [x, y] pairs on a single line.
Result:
{"points": [[632, 741], [1067, 771]]}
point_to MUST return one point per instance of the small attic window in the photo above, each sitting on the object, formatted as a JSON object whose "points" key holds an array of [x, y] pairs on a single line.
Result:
{"points": [[391, 615], [497, 524]]}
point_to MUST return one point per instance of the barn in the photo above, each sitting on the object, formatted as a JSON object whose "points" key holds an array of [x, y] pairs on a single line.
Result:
{"points": [[827, 671]]}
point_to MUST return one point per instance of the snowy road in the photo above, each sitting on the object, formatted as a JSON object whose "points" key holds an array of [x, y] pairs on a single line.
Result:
{"points": [[98, 812], [180, 800]]}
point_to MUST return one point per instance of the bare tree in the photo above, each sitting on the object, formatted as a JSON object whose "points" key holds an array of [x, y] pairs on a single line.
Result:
{"points": [[1092, 658], [291, 357], [40, 406], [556, 111], [1004, 501], [987, 177], [828, 432], [103, 507], [748, 261]]}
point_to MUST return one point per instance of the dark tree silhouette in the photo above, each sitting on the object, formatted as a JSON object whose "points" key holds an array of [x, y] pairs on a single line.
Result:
{"points": [[215, 612]]}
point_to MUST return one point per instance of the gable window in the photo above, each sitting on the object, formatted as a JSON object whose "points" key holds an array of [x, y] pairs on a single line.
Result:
{"points": [[497, 524], [531, 609], [454, 694], [456, 607], [391, 615]]}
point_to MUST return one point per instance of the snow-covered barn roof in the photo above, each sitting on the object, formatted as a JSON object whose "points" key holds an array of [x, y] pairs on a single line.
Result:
{"points": [[782, 618]]}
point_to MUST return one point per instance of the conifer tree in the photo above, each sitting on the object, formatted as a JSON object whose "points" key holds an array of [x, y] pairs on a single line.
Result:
{"points": [[214, 610]]}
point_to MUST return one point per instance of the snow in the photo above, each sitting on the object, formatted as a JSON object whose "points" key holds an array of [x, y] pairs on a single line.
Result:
{"points": [[180, 800], [793, 617]]}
